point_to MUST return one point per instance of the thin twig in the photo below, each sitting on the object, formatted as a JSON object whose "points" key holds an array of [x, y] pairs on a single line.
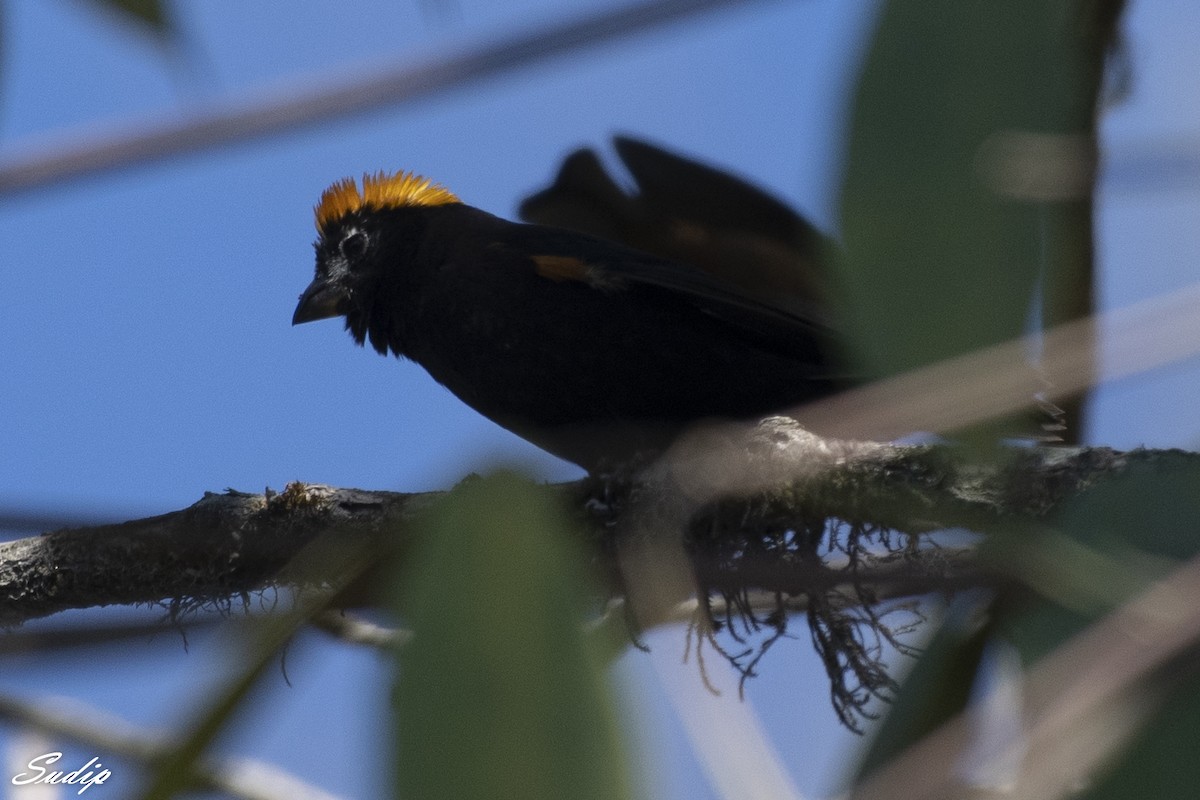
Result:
{"points": [[351, 629], [270, 113]]}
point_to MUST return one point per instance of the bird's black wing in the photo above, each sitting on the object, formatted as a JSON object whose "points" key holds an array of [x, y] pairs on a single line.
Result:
{"points": [[708, 196], [604, 266]]}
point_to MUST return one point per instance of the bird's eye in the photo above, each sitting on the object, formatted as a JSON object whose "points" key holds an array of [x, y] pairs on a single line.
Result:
{"points": [[354, 245]]}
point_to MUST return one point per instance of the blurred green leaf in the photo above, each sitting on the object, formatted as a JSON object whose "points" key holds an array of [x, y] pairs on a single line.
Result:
{"points": [[1104, 548], [151, 13], [499, 694], [1143, 524], [1161, 762], [1128, 531], [968, 177], [966, 215]]}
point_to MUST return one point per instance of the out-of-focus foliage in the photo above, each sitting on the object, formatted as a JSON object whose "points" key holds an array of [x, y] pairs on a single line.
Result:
{"points": [[969, 167], [499, 693], [151, 13], [966, 212]]}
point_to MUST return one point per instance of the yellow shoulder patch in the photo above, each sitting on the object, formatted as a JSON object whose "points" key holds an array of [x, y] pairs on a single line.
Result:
{"points": [[570, 268], [380, 190]]}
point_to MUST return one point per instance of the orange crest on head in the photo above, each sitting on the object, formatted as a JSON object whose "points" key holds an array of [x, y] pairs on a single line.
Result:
{"points": [[380, 190]]}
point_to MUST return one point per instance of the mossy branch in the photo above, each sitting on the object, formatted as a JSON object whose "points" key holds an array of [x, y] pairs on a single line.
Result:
{"points": [[230, 544]]}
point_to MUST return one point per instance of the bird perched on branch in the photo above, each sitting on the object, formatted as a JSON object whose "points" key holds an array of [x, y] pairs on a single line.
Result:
{"points": [[595, 351]]}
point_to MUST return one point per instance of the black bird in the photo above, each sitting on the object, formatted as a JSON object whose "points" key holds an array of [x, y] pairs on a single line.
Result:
{"points": [[590, 349]]}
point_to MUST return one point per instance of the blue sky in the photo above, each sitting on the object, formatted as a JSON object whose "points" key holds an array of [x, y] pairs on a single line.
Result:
{"points": [[145, 314]]}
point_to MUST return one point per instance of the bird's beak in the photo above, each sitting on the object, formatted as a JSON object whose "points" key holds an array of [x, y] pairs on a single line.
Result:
{"points": [[321, 300]]}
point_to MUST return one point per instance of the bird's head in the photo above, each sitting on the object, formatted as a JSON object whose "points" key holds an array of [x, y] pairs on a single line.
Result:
{"points": [[358, 245]]}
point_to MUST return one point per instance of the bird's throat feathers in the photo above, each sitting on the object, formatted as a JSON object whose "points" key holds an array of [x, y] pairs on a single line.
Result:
{"points": [[379, 191]]}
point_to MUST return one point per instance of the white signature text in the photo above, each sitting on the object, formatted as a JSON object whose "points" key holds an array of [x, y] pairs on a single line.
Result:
{"points": [[90, 774]]}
